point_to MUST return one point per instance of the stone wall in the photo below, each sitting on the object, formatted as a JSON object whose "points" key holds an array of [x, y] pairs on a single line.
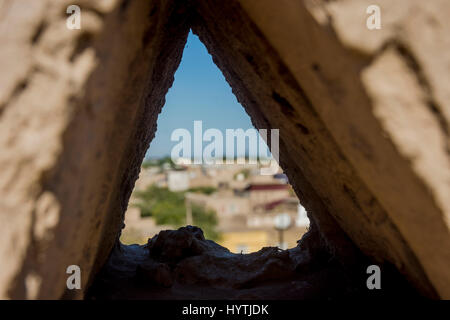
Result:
{"points": [[363, 118], [78, 110]]}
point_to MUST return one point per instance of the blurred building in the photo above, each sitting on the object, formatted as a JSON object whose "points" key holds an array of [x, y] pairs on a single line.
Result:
{"points": [[178, 180], [246, 204]]}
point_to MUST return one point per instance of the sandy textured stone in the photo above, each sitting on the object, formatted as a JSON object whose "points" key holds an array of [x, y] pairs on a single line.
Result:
{"points": [[69, 131], [182, 264]]}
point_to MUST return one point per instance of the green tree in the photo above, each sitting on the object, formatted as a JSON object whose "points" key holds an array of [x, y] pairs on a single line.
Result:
{"points": [[207, 220], [148, 163], [168, 207], [204, 190], [245, 173]]}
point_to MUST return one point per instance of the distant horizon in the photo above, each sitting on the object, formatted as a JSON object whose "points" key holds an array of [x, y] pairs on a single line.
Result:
{"points": [[168, 156]]}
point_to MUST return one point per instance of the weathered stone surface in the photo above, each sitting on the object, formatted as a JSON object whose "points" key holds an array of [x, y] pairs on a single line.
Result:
{"points": [[75, 130], [182, 264], [334, 141], [363, 118], [197, 260], [155, 273]]}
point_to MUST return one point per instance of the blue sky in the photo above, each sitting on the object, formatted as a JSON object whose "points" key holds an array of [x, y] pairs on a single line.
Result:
{"points": [[199, 92]]}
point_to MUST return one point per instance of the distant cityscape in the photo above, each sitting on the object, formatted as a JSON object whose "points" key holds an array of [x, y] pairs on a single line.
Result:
{"points": [[250, 211]]}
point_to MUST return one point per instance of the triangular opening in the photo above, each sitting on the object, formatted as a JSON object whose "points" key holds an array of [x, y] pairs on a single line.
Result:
{"points": [[181, 263], [231, 200]]}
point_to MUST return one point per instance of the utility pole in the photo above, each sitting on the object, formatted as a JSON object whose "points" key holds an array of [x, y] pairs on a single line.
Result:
{"points": [[282, 222], [280, 238], [188, 210]]}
